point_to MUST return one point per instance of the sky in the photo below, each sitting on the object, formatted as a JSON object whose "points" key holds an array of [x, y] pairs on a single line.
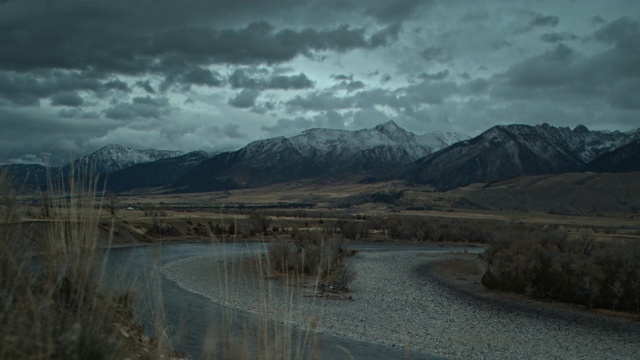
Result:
{"points": [[214, 75]]}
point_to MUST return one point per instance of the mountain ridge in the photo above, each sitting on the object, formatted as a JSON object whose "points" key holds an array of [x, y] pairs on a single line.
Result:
{"points": [[383, 152], [313, 153], [507, 151], [117, 157]]}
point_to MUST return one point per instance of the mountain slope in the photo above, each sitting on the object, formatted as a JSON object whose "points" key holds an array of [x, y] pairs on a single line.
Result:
{"points": [[389, 140], [27, 176], [570, 193], [315, 153], [116, 157], [503, 152], [154, 174], [623, 159]]}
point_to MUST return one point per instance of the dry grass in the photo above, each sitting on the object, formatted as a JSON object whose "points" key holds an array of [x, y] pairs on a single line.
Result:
{"points": [[270, 335], [61, 304], [58, 304]]}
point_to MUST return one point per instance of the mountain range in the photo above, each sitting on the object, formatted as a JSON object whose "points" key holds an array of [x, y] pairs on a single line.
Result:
{"points": [[379, 152], [504, 152], [116, 157], [387, 151]]}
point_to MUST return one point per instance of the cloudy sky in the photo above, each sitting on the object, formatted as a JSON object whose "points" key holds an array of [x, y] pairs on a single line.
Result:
{"points": [[76, 75]]}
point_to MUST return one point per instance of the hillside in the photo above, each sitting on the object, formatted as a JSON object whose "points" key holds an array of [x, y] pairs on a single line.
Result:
{"points": [[316, 153], [623, 159], [504, 152], [572, 193]]}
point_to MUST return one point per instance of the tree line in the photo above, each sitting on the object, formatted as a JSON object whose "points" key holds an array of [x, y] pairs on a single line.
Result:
{"points": [[544, 263]]}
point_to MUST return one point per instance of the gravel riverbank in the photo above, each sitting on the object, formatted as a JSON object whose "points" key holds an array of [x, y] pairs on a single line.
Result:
{"points": [[395, 302]]}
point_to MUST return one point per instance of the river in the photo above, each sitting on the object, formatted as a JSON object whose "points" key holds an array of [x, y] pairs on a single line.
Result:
{"points": [[190, 316]]}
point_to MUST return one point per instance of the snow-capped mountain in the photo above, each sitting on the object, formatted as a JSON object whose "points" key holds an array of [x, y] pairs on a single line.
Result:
{"points": [[504, 152], [623, 159], [389, 141], [381, 150], [156, 173], [116, 157]]}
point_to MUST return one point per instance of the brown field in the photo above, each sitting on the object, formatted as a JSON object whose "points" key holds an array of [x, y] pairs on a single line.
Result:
{"points": [[317, 205]]}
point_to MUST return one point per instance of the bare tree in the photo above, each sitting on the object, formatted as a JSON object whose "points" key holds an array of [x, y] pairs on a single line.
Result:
{"points": [[112, 204]]}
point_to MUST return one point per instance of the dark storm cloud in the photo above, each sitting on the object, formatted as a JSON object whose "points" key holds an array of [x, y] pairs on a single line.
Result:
{"points": [[245, 98], [548, 69], [28, 88], [200, 76], [342, 77], [597, 20], [21, 90], [354, 85], [46, 133], [425, 92], [146, 86], [541, 21], [289, 127], [626, 94], [437, 54], [260, 43], [395, 11], [263, 107], [441, 75], [318, 101], [346, 82], [299, 81], [134, 38], [67, 99], [78, 113], [369, 117], [612, 75], [622, 33], [261, 79], [501, 44], [233, 131], [68, 67], [384, 36], [555, 37], [477, 86], [144, 107]]}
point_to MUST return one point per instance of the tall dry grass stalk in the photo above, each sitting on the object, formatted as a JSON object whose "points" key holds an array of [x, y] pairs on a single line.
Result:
{"points": [[280, 326], [54, 300], [57, 300]]}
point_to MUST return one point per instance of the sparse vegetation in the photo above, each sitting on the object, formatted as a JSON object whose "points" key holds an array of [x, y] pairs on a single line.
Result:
{"points": [[306, 242], [314, 253], [545, 263], [56, 304]]}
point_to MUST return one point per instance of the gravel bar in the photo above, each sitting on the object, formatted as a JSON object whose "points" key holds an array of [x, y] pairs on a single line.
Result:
{"points": [[396, 302]]}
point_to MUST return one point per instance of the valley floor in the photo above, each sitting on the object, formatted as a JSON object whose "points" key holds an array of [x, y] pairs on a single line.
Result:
{"points": [[397, 300]]}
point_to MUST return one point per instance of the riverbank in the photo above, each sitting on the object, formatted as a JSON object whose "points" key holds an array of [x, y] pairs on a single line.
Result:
{"points": [[397, 302]]}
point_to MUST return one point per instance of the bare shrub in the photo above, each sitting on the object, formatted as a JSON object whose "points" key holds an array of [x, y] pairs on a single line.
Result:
{"points": [[314, 253], [281, 255], [544, 263]]}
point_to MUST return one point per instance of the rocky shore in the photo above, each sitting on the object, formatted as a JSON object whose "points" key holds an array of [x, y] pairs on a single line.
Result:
{"points": [[397, 301]]}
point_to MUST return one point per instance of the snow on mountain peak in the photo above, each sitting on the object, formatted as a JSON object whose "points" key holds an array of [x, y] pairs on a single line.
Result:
{"points": [[343, 144], [117, 157], [389, 126]]}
